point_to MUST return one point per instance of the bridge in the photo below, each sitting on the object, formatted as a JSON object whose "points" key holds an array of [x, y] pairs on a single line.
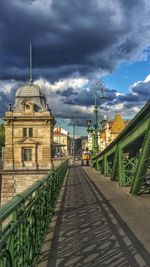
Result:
{"points": [[83, 216], [127, 158]]}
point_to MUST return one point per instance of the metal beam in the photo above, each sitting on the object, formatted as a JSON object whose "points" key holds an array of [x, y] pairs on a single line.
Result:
{"points": [[142, 165]]}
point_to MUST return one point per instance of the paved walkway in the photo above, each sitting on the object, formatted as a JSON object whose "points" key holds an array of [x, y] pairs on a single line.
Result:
{"points": [[89, 232]]}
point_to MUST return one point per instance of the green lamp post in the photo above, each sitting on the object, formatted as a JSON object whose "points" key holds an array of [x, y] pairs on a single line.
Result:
{"points": [[94, 130]]}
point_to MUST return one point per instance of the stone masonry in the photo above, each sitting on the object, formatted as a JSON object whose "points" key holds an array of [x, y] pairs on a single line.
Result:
{"points": [[28, 141]]}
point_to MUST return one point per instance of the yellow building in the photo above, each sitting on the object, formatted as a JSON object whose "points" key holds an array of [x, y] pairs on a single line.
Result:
{"points": [[28, 140], [110, 130], [61, 140]]}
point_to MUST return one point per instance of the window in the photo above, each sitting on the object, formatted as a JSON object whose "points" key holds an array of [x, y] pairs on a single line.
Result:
{"points": [[27, 106], [27, 154], [30, 132], [24, 132]]}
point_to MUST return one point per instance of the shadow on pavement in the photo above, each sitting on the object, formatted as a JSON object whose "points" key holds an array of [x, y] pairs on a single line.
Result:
{"points": [[89, 232]]}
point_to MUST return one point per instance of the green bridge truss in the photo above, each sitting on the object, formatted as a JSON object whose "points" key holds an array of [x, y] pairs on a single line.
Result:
{"points": [[25, 219], [127, 158]]}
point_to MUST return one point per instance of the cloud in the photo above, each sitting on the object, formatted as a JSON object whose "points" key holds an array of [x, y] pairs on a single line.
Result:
{"points": [[7, 94], [71, 102], [74, 42], [142, 89], [70, 37]]}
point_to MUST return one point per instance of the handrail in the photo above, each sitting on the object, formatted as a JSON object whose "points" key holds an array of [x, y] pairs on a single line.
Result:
{"points": [[24, 220]]}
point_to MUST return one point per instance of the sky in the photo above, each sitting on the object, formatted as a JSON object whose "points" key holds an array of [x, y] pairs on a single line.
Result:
{"points": [[75, 44]]}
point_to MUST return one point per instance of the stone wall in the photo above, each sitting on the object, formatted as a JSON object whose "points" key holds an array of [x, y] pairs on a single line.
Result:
{"points": [[13, 184]]}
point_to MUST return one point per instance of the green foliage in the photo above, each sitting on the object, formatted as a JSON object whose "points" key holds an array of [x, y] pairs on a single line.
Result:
{"points": [[2, 135]]}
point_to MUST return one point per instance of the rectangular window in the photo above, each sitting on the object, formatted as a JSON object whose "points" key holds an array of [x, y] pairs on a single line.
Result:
{"points": [[27, 154], [30, 132], [24, 132]]}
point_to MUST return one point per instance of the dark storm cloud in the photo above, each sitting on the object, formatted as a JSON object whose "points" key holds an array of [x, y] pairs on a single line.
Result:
{"points": [[67, 92], [128, 98], [74, 104], [87, 98], [73, 38], [142, 89], [140, 93], [7, 96], [70, 36]]}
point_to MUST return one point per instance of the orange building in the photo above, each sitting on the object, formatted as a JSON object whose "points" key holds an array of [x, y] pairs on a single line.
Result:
{"points": [[110, 130]]}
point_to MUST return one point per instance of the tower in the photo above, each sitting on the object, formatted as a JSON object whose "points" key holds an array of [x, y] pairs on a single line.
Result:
{"points": [[28, 140]]}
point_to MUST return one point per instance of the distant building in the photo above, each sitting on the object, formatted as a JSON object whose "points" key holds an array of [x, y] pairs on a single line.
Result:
{"points": [[77, 144], [90, 141], [84, 142], [28, 140], [61, 142], [110, 130]]}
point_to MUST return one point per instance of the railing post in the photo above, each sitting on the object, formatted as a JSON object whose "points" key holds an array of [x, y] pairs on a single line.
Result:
{"points": [[29, 215], [121, 172], [105, 165]]}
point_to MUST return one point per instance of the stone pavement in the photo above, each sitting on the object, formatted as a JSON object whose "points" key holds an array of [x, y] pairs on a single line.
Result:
{"points": [[92, 229]]}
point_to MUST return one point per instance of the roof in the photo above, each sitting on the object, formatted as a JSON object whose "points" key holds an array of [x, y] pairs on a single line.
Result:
{"points": [[29, 90], [54, 144], [117, 125]]}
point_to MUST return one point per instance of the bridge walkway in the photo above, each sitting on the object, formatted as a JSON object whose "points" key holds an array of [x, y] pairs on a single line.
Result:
{"points": [[95, 225]]}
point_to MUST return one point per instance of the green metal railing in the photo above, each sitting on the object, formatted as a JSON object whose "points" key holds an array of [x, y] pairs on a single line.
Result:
{"points": [[127, 158], [25, 219]]}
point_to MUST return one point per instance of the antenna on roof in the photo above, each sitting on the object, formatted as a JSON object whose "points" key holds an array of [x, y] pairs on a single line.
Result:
{"points": [[31, 79]]}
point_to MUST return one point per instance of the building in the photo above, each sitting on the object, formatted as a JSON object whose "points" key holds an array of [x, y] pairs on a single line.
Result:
{"points": [[61, 140], [89, 143], [28, 140], [84, 142], [76, 146], [110, 130]]}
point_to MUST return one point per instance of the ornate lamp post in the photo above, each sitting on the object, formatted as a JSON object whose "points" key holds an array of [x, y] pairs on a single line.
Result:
{"points": [[73, 143], [94, 130]]}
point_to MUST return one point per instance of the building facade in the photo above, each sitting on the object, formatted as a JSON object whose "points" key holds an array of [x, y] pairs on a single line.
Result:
{"points": [[84, 142], [62, 144], [110, 130], [28, 141]]}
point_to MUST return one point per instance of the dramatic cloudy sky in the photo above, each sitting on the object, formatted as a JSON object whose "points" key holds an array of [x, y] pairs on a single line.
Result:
{"points": [[76, 43]]}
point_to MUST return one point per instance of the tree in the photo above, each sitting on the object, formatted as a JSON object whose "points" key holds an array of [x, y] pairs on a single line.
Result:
{"points": [[2, 135]]}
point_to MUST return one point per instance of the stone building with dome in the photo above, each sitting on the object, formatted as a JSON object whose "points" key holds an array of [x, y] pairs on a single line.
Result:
{"points": [[28, 140]]}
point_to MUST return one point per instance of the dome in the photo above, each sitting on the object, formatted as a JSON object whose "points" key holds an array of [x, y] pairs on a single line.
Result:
{"points": [[29, 90]]}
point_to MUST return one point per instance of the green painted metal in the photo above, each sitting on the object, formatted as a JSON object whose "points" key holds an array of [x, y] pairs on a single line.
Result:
{"points": [[97, 167], [98, 87], [114, 175], [130, 164], [25, 219], [94, 131], [121, 170], [105, 165], [96, 146], [142, 165], [127, 158]]}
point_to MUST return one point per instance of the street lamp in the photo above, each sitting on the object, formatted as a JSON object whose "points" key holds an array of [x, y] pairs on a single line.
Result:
{"points": [[90, 132], [73, 150], [94, 130], [73, 143]]}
